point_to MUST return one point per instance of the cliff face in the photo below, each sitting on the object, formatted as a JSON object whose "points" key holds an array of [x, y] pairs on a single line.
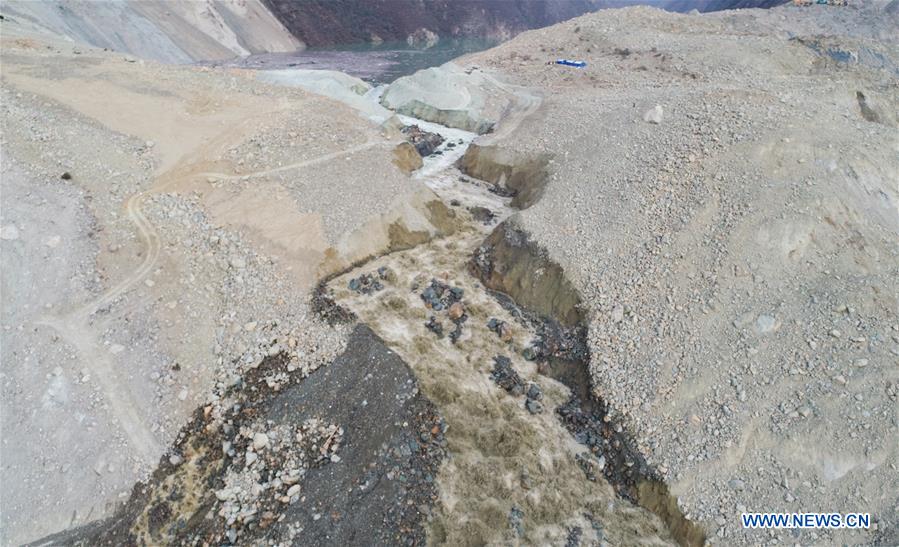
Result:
{"points": [[329, 22], [171, 32]]}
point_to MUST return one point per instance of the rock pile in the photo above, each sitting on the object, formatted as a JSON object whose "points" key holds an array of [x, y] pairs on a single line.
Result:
{"points": [[369, 283], [482, 214], [607, 443], [556, 341], [501, 328], [435, 326], [439, 296], [534, 396], [424, 141], [274, 462], [507, 378]]}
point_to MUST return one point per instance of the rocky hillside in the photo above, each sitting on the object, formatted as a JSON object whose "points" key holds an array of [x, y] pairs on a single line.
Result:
{"points": [[172, 32], [163, 195], [720, 189], [329, 22], [719, 5], [206, 30]]}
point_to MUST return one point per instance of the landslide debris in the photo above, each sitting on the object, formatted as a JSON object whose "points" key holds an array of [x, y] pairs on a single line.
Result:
{"points": [[354, 447], [729, 243], [734, 257], [162, 268], [425, 142]]}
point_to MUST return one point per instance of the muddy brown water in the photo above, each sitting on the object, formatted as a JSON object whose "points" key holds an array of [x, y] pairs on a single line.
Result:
{"points": [[492, 436]]}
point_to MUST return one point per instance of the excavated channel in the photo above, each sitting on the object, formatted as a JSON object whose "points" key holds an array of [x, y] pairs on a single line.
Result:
{"points": [[494, 332]]}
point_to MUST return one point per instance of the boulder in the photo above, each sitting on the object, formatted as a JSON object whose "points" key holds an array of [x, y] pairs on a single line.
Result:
{"points": [[448, 95], [425, 142], [653, 115]]}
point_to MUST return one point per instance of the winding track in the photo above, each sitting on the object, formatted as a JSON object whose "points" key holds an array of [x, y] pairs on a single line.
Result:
{"points": [[75, 326], [306, 163], [151, 237]]}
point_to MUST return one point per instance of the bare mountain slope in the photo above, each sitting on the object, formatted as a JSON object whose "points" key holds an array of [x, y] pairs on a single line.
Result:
{"points": [[162, 227], [174, 32], [721, 190], [329, 22]]}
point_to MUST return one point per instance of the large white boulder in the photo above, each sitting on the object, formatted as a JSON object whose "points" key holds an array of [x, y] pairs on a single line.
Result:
{"points": [[449, 95]]}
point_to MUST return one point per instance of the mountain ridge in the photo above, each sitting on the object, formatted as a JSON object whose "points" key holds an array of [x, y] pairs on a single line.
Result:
{"points": [[330, 22]]}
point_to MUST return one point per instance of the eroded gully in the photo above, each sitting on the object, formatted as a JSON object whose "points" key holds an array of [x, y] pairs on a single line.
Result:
{"points": [[534, 458]]}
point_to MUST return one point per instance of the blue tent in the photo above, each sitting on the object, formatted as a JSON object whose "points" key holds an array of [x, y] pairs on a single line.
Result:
{"points": [[568, 62]]}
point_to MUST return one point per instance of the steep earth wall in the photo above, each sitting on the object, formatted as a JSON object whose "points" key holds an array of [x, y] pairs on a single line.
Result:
{"points": [[329, 22], [172, 32]]}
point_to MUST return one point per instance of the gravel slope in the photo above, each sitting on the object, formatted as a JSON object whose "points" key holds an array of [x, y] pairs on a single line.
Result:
{"points": [[721, 189], [161, 229], [738, 260], [172, 32]]}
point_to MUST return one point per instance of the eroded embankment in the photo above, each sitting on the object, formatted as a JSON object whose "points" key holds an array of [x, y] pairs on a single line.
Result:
{"points": [[345, 456], [519, 176], [509, 262], [495, 333], [535, 289]]}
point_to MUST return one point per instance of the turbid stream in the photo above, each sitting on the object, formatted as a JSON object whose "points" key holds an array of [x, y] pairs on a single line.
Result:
{"points": [[528, 453]]}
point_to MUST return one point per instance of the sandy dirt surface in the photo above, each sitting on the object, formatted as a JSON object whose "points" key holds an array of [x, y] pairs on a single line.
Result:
{"points": [[722, 190], [161, 229], [171, 32]]}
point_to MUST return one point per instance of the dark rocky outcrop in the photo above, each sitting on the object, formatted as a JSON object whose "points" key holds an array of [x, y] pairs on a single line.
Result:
{"points": [[424, 141], [378, 492], [330, 22]]}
